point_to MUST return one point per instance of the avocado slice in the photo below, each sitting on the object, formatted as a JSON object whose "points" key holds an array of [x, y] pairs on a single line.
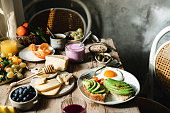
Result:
{"points": [[118, 87], [111, 82], [96, 88], [101, 90], [121, 92], [93, 86]]}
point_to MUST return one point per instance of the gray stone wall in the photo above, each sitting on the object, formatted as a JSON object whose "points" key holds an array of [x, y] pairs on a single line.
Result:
{"points": [[132, 24]]}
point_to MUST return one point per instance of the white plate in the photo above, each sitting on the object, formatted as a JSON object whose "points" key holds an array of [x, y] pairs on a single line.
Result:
{"points": [[63, 90], [27, 55], [110, 99]]}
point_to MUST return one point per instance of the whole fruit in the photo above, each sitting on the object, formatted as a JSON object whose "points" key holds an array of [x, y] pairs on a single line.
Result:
{"points": [[22, 31]]}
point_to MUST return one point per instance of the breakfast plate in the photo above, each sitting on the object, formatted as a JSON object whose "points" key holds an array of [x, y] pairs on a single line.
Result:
{"points": [[27, 55], [64, 88], [110, 99]]}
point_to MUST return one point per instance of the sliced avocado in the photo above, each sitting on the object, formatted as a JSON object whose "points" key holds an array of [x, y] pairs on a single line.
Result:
{"points": [[121, 92], [110, 82], [93, 87], [96, 88], [101, 90]]}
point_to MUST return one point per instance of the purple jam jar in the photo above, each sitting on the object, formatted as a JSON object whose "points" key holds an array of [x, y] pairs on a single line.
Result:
{"points": [[75, 52]]}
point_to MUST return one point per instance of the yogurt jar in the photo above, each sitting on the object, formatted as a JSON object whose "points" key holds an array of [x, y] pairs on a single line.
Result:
{"points": [[75, 52]]}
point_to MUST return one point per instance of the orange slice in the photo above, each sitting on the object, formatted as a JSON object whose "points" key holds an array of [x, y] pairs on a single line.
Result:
{"points": [[32, 47]]}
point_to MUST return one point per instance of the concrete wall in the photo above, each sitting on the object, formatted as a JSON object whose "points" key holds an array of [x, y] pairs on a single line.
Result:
{"points": [[132, 24]]}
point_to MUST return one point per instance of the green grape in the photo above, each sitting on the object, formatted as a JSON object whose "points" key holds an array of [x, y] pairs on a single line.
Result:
{"points": [[79, 30], [15, 70], [77, 37], [80, 34], [10, 74], [3, 55], [14, 66], [8, 69], [19, 75], [22, 65], [73, 34]]}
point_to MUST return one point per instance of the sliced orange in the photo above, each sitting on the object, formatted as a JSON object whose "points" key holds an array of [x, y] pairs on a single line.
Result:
{"points": [[32, 47], [43, 46], [40, 54]]}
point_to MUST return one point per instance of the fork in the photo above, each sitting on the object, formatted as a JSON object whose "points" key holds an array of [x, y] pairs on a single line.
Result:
{"points": [[113, 63]]}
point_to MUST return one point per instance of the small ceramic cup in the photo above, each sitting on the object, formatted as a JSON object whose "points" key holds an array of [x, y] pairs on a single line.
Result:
{"points": [[58, 42], [24, 106]]}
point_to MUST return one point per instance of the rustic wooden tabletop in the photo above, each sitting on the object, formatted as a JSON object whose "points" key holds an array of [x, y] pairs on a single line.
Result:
{"points": [[53, 105]]}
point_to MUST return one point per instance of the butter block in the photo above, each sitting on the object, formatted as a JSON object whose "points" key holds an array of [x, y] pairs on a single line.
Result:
{"points": [[51, 92], [60, 62], [49, 85]]}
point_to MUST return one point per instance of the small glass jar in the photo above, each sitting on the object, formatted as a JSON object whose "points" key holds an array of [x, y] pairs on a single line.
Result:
{"points": [[9, 46], [75, 52]]}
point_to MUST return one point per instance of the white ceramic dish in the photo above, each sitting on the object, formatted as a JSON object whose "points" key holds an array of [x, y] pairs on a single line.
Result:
{"points": [[107, 54], [110, 99], [63, 90], [27, 55], [24, 105]]}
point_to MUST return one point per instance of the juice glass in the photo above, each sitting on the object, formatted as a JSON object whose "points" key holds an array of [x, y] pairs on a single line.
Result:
{"points": [[73, 105], [9, 46]]}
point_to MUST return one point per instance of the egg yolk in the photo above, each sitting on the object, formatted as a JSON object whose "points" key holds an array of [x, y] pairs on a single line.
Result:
{"points": [[109, 74]]}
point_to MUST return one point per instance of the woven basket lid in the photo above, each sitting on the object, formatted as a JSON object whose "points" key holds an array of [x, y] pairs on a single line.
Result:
{"points": [[162, 67], [59, 20]]}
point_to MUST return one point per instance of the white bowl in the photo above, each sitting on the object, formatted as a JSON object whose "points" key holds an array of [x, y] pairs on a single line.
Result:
{"points": [[107, 54], [24, 105]]}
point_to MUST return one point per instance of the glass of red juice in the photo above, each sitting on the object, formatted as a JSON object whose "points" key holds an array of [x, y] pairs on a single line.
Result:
{"points": [[73, 105]]}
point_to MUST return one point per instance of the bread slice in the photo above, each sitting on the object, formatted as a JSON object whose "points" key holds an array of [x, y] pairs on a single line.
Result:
{"points": [[49, 85], [98, 97], [121, 97], [51, 92]]}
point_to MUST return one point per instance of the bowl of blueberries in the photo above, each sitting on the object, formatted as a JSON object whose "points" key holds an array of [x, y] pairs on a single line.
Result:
{"points": [[24, 97]]}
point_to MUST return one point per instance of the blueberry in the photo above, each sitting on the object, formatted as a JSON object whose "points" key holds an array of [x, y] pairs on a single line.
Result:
{"points": [[18, 100], [16, 91], [25, 99], [14, 98], [15, 95], [29, 87], [34, 93], [20, 91], [20, 96]]}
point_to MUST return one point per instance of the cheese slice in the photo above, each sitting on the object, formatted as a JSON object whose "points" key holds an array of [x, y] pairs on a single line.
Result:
{"points": [[49, 85], [59, 62], [41, 81], [51, 92]]}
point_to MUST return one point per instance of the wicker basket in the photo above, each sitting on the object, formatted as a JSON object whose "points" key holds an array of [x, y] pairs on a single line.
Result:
{"points": [[162, 67], [27, 40], [59, 20]]}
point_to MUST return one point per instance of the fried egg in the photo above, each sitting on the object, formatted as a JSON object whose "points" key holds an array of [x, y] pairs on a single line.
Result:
{"points": [[112, 73]]}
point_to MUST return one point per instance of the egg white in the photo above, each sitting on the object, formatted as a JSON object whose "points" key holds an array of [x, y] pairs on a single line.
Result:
{"points": [[119, 76]]}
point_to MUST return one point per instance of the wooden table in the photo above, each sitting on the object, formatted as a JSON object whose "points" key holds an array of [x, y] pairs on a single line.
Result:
{"points": [[53, 105]]}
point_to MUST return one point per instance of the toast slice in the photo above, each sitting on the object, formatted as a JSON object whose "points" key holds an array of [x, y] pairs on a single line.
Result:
{"points": [[98, 97], [121, 97]]}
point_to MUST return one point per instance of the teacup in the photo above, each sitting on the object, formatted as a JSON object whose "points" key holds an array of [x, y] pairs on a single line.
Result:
{"points": [[58, 42]]}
